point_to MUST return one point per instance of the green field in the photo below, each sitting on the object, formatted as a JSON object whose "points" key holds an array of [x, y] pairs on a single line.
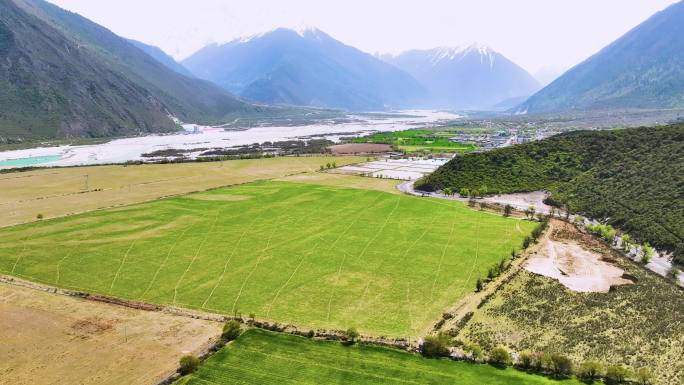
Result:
{"points": [[419, 141], [316, 256], [262, 357]]}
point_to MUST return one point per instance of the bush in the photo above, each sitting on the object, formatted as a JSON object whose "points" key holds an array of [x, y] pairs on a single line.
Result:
{"points": [[562, 366], [590, 370], [500, 356], [436, 346], [508, 209], [643, 376], [188, 364], [351, 334], [617, 374], [231, 330], [475, 351], [39, 216], [526, 359], [311, 334]]}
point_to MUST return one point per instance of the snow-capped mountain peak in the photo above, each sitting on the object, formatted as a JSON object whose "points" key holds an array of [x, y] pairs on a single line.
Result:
{"points": [[456, 53]]}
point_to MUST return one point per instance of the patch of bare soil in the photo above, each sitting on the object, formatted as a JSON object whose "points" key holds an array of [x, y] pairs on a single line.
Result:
{"points": [[53, 339], [576, 261], [522, 201], [360, 148]]}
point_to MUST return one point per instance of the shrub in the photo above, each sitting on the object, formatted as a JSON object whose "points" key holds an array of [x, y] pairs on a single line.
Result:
{"points": [[508, 209], [526, 242], [643, 376], [436, 346], [39, 216], [479, 285], [617, 374], [673, 272], [188, 364], [590, 370], [231, 330], [562, 366], [475, 351], [310, 334], [500, 356], [525, 359]]}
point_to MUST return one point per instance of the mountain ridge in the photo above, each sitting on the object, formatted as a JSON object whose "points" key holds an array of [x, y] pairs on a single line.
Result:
{"points": [[308, 68], [468, 77], [642, 69]]}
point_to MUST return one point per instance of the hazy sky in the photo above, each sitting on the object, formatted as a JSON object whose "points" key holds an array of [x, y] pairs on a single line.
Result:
{"points": [[536, 34]]}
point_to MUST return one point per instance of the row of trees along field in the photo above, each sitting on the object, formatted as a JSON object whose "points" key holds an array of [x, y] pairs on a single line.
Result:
{"points": [[555, 364], [631, 178]]}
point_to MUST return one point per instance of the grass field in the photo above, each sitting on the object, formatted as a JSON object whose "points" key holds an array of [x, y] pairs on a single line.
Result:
{"points": [[419, 141], [316, 256], [52, 339], [262, 357], [62, 191]]}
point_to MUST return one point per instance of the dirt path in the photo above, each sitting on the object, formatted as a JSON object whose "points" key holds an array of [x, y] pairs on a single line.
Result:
{"points": [[470, 302]]}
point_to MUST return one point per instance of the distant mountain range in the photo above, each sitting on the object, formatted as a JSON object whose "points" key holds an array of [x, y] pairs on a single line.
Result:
{"points": [[642, 69], [473, 77], [63, 75], [308, 68]]}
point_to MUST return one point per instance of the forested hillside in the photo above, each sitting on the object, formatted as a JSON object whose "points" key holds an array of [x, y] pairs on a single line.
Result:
{"points": [[632, 178]]}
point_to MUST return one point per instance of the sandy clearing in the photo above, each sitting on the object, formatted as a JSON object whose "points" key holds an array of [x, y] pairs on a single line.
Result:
{"points": [[522, 201], [575, 267], [54, 339]]}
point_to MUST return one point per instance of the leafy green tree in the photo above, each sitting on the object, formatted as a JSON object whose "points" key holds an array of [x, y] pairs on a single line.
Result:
{"points": [[644, 376], [508, 209], [188, 364], [448, 191], [231, 330], [500, 356], [649, 253], [626, 242], [351, 334], [590, 370], [436, 345]]}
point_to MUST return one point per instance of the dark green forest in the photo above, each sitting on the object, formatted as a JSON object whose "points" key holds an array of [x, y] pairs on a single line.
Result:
{"points": [[631, 178]]}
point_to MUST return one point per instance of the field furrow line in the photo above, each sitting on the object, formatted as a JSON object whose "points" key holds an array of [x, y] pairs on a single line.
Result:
{"points": [[261, 254], [166, 259], [199, 249], [69, 254], [365, 248], [225, 265], [441, 258], [23, 250], [123, 260]]}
